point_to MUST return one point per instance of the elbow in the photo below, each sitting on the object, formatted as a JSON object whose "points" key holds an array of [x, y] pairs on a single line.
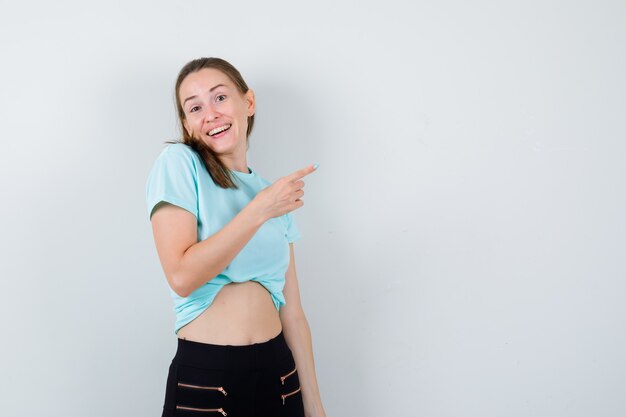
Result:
{"points": [[184, 282], [182, 292], [179, 285]]}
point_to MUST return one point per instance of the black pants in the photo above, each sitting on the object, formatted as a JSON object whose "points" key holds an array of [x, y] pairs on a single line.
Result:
{"points": [[258, 380]]}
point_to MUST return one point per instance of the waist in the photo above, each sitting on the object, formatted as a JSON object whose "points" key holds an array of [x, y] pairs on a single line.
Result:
{"points": [[240, 314], [211, 356]]}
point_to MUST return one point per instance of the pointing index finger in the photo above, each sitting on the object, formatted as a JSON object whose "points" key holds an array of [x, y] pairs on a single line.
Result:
{"points": [[302, 172]]}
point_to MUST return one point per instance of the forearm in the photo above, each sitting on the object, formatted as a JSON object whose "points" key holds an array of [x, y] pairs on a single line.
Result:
{"points": [[298, 336], [204, 260]]}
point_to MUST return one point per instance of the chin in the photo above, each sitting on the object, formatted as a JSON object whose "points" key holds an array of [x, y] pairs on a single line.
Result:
{"points": [[220, 148]]}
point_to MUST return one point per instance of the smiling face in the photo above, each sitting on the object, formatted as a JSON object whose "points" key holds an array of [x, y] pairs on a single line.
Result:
{"points": [[211, 102]]}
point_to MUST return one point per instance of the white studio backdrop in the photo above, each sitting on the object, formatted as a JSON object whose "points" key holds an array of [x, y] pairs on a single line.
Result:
{"points": [[463, 238]]}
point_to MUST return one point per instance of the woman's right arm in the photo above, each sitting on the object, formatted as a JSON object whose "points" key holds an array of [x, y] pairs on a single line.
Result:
{"points": [[187, 263]]}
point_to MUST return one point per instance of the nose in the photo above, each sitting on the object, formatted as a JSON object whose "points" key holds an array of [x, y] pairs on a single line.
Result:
{"points": [[211, 113]]}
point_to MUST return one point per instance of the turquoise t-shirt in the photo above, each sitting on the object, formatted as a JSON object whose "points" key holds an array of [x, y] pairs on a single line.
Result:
{"points": [[179, 177]]}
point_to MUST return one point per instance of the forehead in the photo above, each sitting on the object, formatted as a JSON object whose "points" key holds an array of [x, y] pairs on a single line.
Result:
{"points": [[202, 81]]}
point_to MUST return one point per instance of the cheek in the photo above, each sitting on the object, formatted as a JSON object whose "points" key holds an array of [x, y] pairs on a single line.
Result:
{"points": [[195, 125]]}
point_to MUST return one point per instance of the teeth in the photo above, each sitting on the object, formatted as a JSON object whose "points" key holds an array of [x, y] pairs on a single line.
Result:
{"points": [[218, 130]]}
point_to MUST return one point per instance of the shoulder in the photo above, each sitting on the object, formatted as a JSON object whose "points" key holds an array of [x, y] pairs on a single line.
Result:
{"points": [[264, 183], [261, 180], [175, 162], [178, 154], [178, 149]]}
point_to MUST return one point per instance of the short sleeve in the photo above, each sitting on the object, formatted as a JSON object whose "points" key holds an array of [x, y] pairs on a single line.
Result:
{"points": [[173, 179], [293, 233]]}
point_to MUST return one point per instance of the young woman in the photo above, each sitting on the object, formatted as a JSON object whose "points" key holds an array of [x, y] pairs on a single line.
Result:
{"points": [[224, 236]]}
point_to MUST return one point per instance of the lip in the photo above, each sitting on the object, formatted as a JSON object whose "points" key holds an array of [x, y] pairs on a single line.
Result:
{"points": [[215, 127], [219, 135]]}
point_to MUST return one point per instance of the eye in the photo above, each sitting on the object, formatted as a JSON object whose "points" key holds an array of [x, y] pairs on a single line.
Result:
{"points": [[221, 95], [191, 109]]}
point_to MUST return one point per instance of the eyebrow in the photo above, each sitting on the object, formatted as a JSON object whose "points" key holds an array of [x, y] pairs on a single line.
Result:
{"points": [[210, 91]]}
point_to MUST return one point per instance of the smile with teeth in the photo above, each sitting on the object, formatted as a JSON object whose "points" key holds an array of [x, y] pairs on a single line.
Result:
{"points": [[219, 129]]}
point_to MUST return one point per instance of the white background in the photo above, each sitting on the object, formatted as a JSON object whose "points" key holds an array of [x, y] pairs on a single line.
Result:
{"points": [[463, 238]]}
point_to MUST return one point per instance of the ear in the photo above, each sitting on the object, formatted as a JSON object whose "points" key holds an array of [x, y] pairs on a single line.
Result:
{"points": [[251, 101]]}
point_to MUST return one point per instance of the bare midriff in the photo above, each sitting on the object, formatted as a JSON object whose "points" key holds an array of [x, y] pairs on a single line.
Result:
{"points": [[241, 314]]}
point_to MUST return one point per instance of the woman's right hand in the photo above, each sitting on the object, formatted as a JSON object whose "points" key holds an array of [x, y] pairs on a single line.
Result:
{"points": [[283, 195]]}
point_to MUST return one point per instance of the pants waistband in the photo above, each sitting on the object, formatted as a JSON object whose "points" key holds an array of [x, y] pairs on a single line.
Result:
{"points": [[256, 355]]}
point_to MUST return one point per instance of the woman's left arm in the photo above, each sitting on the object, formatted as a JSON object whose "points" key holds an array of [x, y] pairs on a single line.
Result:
{"points": [[298, 336]]}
